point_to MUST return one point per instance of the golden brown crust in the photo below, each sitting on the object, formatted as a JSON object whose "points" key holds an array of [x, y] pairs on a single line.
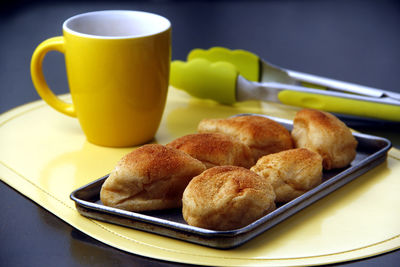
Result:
{"points": [[226, 198], [291, 172], [262, 135], [149, 178], [325, 134], [215, 149]]}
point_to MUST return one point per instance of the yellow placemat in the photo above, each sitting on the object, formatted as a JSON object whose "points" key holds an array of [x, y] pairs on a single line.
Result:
{"points": [[45, 156]]}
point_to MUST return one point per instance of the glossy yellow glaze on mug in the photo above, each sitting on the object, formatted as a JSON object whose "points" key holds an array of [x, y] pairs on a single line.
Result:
{"points": [[118, 85]]}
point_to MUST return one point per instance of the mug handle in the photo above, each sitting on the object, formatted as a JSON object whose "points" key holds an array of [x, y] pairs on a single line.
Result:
{"points": [[57, 44]]}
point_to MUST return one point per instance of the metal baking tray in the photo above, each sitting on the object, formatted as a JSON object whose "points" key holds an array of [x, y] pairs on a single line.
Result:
{"points": [[371, 151]]}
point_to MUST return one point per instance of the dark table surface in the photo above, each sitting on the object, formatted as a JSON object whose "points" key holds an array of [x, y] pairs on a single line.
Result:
{"points": [[351, 40]]}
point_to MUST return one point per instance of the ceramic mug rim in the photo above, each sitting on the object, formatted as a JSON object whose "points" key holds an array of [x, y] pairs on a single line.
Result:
{"points": [[160, 24]]}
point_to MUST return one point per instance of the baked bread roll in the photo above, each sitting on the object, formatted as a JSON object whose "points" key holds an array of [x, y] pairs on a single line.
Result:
{"points": [[325, 134], [262, 135], [151, 177], [215, 149], [290, 172], [226, 198]]}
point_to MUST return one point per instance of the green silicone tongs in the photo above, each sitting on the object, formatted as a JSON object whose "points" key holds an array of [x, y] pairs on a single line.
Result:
{"points": [[228, 76]]}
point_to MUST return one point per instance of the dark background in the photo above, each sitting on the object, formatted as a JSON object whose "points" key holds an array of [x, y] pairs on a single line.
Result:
{"points": [[351, 40]]}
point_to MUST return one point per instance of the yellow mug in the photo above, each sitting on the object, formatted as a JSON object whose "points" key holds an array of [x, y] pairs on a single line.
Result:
{"points": [[117, 64]]}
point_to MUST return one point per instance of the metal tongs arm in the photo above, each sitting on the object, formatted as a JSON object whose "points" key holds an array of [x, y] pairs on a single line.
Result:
{"points": [[341, 86]]}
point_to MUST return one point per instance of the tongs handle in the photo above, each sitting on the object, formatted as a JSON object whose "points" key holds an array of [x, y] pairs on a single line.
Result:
{"points": [[340, 105]]}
